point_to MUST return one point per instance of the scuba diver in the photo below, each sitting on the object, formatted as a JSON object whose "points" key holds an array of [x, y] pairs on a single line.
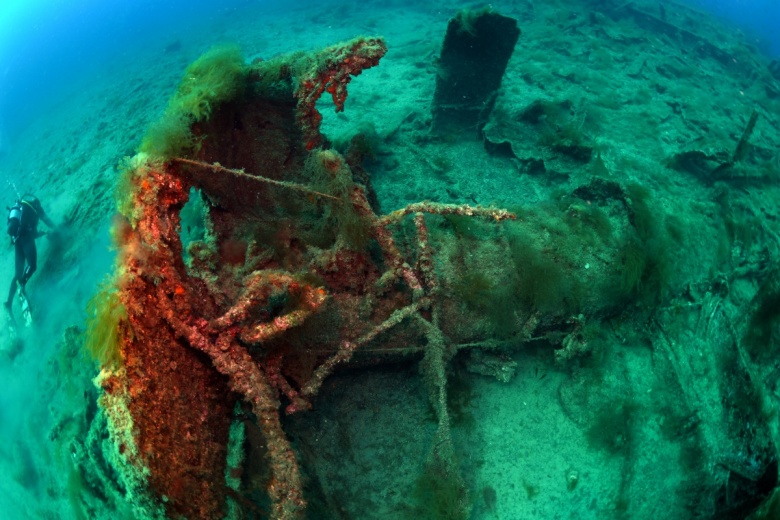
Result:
{"points": [[23, 220]]}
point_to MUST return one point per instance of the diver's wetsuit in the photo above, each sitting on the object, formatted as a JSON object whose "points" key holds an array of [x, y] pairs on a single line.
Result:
{"points": [[24, 245]]}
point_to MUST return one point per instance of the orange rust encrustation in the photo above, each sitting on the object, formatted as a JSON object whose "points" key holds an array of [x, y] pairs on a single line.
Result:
{"points": [[269, 302]]}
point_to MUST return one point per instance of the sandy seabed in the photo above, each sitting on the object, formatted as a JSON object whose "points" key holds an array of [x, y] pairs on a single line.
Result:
{"points": [[520, 446]]}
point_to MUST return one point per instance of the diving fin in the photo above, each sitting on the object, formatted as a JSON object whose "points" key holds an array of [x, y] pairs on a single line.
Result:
{"points": [[12, 330], [25, 306], [13, 346]]}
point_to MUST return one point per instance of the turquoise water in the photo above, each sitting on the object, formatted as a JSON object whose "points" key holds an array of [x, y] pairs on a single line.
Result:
{"points": [[609, 354], [757, 19]]}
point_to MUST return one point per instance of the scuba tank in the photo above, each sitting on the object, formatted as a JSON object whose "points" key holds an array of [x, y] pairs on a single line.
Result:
{"points": [[14, 220]]}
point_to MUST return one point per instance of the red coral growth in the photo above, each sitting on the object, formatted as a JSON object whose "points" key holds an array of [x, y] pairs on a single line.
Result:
{"points": [[237, 323], [181, 407], [331, 71], [180, 404]]}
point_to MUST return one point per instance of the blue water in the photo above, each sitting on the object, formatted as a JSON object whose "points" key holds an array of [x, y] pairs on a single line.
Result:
{"points": [[48, 48], [47, 44], [758, 18]]}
